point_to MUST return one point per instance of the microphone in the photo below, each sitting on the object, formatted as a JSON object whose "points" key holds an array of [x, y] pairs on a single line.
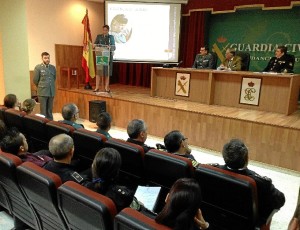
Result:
{"points": [[179, 63]]}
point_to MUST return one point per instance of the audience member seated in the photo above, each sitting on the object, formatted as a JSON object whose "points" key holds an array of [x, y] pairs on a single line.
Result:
{"points": [[105, 170], [104, 124], [281, 62], [137, 132], [203, 60], [11, 102], [28, 105], [231, 62], [295, 221], [62, 148], [15, 143], [235, 155], [177, 144], [2, 129], [70, 113], [182, 208]]}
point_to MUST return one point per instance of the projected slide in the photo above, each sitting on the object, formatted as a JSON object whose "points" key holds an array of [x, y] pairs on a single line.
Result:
{"points": [[143, 31]]}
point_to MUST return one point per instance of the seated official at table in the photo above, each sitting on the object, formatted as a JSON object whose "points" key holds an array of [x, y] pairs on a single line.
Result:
{"points": [[281, 62], [231, 61], [203, 60]]}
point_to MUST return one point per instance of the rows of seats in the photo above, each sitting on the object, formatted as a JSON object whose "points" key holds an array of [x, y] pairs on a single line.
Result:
{"points": [[227, 197], [37, 198]]}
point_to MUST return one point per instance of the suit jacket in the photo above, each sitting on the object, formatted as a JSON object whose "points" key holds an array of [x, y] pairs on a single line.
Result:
{"points": [[105, 41], [203, 62], [234, 64], [44, 78], [284, 63]]}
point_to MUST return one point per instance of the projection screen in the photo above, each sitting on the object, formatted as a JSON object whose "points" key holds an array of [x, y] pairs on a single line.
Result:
{"points": [[144, 32]]}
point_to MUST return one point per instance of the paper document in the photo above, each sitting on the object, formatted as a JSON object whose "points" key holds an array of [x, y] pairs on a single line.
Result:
{"points": [[147, 195]]}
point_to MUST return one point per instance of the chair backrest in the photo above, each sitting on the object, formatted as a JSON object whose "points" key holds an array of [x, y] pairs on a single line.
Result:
{"points": [[229, 199], [36, 130], [54, 128], [40, 189], [85, 209], [291, 59], [215, 59], [132, 158], [163, 169], [2, 112], [14, 118], [245, 60], [87, 144], [131, 219], [16, 201]]}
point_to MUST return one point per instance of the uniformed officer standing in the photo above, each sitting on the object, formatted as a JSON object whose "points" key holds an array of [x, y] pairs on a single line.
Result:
{"points": [[281, 63], [204, 60], [44, 79]]}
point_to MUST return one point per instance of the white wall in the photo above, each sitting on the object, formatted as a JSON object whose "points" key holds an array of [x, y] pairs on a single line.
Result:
{"points": [[51, 22], [14, 73]]}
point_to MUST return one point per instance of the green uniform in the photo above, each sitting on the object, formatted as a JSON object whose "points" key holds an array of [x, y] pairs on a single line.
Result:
{"points": [[44, 78]]}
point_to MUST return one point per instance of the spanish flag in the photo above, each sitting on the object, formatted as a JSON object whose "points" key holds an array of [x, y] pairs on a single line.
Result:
{"points": [[87, 54]]}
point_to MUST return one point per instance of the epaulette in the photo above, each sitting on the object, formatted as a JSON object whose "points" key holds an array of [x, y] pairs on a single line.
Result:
{"points": [[263, 177]]}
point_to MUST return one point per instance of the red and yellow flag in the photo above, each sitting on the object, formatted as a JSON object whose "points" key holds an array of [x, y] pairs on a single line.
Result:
{"points": [[87, 54]]}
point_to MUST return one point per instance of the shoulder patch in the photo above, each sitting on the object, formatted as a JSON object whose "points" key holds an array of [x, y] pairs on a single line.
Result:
{"points": [[77, 177]]}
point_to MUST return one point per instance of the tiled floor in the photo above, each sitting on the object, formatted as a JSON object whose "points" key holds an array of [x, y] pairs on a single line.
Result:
{"points": [[285, 180]]}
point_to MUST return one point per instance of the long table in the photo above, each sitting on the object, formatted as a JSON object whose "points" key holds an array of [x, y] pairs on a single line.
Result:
{"points": [[278, 92]]}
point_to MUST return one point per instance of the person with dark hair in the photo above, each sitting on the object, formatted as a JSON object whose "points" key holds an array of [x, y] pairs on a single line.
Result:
{"points": [[105, 170], [281, 62], [104, 124], [11, 101], [15, 143], [177, 144], [182, 208], [235, 155], [62, 149], [119, 30], [44, 78], [231, 62], [137, 132], [203, 60], [28, 105], [3, 130], [70, 113], [105, 42]]}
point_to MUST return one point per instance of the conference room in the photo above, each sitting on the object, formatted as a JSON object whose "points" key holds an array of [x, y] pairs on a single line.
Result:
{"points": [[153, 78]]}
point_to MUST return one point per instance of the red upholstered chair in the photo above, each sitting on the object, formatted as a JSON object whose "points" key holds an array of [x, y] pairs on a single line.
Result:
{"points": [[2, 112], [132, 159], [14, 118], [54, 128], [163, 169], [131, 219], [87, 144], [40, 189], [14, 198], [229, 199], [85, 209], [36, 130]]}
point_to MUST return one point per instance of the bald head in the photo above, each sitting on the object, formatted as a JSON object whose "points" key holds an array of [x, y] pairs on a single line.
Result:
{"points": [[61, 146]]}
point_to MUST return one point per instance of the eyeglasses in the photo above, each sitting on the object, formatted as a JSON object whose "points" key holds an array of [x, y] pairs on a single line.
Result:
{"points": [[185, 138]]}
